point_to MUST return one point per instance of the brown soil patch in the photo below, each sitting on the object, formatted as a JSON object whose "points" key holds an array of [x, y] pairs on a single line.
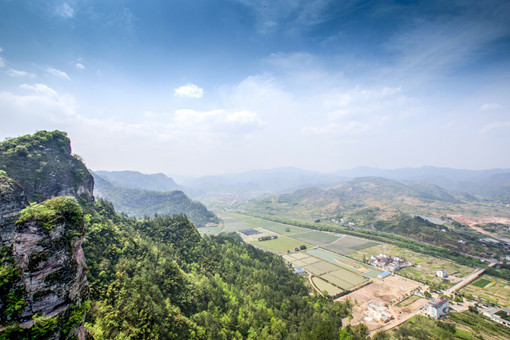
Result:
{"points": [[471, 221]]}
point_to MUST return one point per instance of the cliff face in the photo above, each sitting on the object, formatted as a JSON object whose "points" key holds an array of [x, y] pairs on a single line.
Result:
{"points": [[43, 267], [43, 165], [43, 276]]}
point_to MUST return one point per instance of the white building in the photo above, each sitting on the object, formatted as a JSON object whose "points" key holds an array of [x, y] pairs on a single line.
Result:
{"points": [[380, 313], [437, 308], [442, 273]]}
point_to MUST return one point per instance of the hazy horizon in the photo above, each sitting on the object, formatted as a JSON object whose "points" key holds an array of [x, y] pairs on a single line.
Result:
{"points": [[188, 176], [217, 87]]}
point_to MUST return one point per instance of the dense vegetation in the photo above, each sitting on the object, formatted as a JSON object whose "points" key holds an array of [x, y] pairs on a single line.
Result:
{"points": [[42, 163], [159, 279], [140, 203]]}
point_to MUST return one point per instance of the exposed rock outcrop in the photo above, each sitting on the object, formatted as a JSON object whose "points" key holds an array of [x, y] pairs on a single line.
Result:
{"points": [[41, 249], [12, 201]]}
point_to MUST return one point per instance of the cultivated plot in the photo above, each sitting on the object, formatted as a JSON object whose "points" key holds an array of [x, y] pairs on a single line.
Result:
{"points": [[425, 266], [491, 289], [345, 262], [325, 286], [251, 222], [349, 244], [317, 237], [282, 244]]}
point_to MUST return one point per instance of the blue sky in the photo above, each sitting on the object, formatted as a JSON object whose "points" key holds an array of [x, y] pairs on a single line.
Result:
{"points": [[207, 87]]}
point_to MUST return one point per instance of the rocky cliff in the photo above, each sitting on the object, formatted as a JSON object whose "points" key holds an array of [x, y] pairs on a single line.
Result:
{"points": [[43, 276], [43, 165]]}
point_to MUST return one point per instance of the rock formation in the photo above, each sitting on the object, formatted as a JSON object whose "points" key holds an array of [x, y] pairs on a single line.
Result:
{"points": [[43, 276]]}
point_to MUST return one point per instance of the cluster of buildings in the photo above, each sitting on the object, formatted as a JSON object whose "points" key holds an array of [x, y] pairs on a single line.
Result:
{"points": [[388, 262], [499, 315], [379, 313]]}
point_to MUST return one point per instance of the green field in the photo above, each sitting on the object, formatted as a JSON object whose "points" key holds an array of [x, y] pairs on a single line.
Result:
{"points": [[316, 237], [480, 283], [345, 262], [349, 244], [498, 293], [254, 222], [341, 272], [281, 244]]}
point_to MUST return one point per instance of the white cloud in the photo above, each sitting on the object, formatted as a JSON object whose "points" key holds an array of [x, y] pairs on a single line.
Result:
{"points": [[57, 73], [495, 125], [220, 120], [192, 117], [79, 66], [259, 93], [490, 106], [65, 10], [358, 101], [189, 90], [244, 117], [19, 74], [348, 129], [37, 107]]}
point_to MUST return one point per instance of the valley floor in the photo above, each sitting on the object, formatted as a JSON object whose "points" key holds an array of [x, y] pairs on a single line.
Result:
{"points": [[334, 264]]}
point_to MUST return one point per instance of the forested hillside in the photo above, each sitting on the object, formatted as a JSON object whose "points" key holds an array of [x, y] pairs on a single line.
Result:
{"points": [[140, 202], [137, 180], [158, 278]]}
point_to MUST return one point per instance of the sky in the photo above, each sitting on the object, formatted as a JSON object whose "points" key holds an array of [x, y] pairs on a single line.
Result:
{"points": [[200, 87]]}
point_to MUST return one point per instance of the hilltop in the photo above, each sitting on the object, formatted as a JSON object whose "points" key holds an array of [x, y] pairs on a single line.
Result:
{"points": [[130, 194]]}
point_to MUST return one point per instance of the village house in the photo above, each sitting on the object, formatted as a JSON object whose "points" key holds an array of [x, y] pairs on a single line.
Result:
{"points": [[442, 273], [499, 315], [438, 308]]}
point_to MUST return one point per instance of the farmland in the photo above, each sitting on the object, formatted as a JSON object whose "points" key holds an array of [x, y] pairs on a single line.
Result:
{"points": [[281, 244], [425, 266], [490, 289], [349, 244], [343, 278], [332, 272]]}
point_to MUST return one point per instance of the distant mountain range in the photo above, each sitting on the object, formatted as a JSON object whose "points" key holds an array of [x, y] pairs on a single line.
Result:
{"points": [[260, 182], [492, 183], [140, 195]]}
